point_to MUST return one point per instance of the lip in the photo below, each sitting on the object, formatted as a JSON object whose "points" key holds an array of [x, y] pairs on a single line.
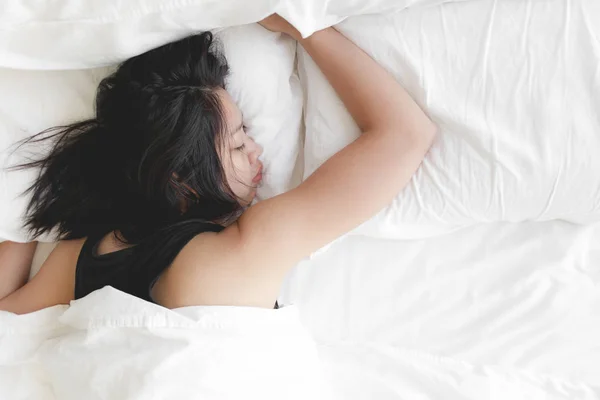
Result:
{"points": [[258, 176]]}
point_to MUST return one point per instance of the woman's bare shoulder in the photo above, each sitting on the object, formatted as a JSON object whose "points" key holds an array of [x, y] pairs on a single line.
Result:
{"points": [[212, 269]]}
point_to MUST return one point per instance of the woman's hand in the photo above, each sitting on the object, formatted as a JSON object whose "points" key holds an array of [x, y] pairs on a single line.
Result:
{"points": [[276, 23]]}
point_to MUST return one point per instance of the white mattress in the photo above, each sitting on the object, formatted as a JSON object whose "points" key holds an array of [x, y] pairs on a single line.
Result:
{"points": [[499, 311]]}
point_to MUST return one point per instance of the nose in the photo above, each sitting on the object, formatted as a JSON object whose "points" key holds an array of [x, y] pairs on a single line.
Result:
{"points": [[255, 152]]}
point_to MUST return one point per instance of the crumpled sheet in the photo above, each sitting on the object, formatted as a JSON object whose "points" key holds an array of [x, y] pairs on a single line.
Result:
{"points": [[496, 311], [74, 34], [110, 345]]}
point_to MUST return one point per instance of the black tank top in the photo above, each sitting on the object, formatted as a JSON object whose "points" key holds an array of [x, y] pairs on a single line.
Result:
{"points": [[136, 269]]}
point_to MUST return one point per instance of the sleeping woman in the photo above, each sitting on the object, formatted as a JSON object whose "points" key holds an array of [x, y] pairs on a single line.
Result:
{"points": [[153, 195]]}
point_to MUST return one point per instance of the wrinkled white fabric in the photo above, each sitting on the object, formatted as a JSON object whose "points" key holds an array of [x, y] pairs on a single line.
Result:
{"points": [[71, 34], [513, 87], [110, 345], [496, 311]]}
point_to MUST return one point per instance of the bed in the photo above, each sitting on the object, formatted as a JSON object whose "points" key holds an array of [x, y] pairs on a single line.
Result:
{"points": [[480, 281]]}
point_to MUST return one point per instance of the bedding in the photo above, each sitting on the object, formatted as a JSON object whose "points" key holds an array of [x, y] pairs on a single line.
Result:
{"points": [[513, 87], [263, 82], [70, 34], [493, 311], [463, 310], [110, 345]]}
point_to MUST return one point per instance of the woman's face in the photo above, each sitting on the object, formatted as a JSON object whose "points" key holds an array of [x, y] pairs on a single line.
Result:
{"points": [[239, 154]]}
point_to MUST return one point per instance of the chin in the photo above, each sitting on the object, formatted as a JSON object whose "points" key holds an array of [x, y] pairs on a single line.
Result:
{"points": [[246, 201], [250, 199]]}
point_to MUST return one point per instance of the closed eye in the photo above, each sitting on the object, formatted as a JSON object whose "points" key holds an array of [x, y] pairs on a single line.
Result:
{"points": [[242, 147]]}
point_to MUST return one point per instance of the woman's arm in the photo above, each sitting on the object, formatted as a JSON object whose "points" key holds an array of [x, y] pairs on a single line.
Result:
{"points": [[53, 284], [246, 263], [359, 180], [15, 265]]}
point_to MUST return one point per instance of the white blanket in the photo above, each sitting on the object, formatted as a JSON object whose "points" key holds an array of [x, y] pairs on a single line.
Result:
{"points": [[70, 34], [110, 345]]}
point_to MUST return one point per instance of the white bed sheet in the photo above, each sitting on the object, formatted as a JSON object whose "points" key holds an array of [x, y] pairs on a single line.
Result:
{"points": [[499, 311]]}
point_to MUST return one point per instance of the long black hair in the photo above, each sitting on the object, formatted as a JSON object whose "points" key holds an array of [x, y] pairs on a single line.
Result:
{"points": [[150, 157]]}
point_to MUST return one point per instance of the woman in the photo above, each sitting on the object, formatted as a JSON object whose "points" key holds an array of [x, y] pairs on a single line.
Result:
{"points": [[151, 221]]}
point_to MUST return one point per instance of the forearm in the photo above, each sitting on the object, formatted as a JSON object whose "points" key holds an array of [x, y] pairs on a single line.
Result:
{"points": [[374, 98], [15, 265]]}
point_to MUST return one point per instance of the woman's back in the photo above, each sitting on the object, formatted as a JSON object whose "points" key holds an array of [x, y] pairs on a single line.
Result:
{"points": [[133, 269]]}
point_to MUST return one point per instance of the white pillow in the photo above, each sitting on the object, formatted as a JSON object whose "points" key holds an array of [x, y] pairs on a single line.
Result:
{"points": [[30, 102], [514, 89], [262, 81], [266, 87], [72, 34]]}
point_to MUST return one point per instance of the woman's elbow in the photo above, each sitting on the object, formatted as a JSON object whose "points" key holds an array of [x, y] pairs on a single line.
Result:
{"points": [[422, 138], [428, 134]]}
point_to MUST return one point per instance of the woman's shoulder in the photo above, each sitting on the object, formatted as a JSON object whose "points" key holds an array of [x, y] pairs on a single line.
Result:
{"points": [[68, 248], [66, 253], [212, 270], [206, 251]]}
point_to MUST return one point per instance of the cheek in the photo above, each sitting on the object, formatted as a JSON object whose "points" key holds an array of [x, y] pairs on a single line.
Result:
{"points": [[229, 172], [237, 170], [241, 166]]}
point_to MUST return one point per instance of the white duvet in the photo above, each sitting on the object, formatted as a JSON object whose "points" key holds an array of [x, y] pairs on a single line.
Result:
{"points": [[39, 35], [110, 345]]}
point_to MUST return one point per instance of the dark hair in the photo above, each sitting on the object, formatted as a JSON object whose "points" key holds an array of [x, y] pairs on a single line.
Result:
{"points": [[152, 147]]}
